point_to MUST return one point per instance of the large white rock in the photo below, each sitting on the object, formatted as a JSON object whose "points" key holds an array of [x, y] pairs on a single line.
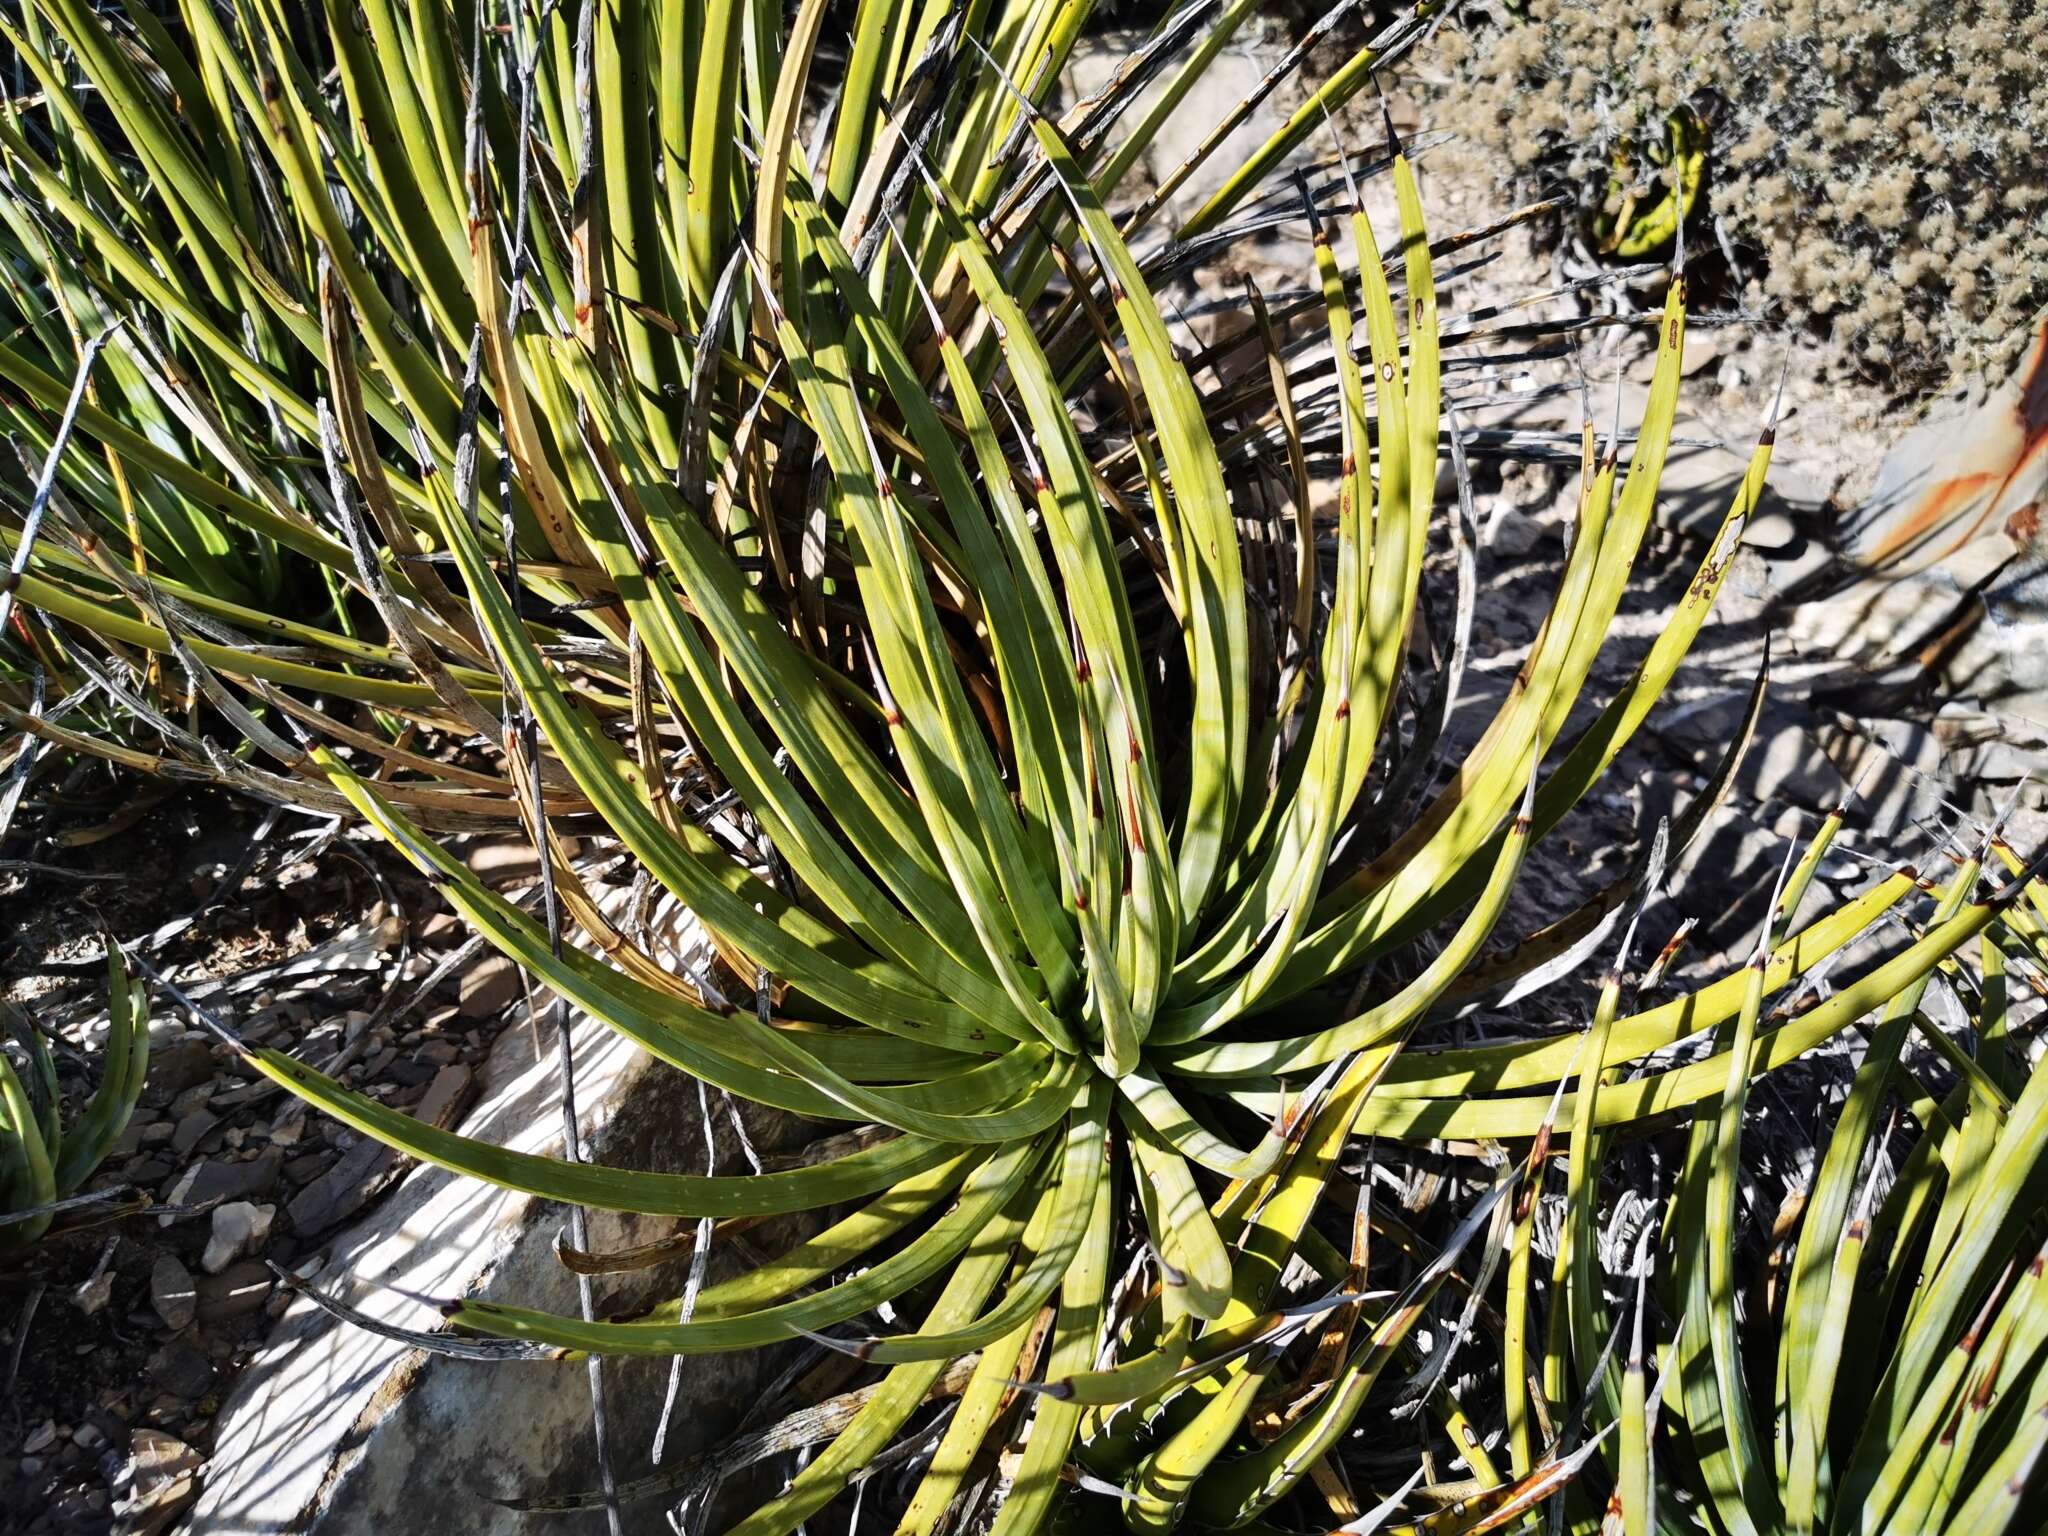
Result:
{"points": [[338, 1431]]}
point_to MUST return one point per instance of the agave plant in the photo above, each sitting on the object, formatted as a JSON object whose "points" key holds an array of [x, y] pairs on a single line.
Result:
{"points": [[1631, 225], [1884, 1371], [42, 1160], [868, 474]]}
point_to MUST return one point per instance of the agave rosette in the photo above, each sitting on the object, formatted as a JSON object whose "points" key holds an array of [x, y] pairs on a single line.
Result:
{"points": [[605, 413], [1883, 1370], [45, 1162]]}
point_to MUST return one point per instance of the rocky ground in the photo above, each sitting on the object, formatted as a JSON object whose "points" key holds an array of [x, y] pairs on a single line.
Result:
{"points": [[119, 1341], [121, 1338]]}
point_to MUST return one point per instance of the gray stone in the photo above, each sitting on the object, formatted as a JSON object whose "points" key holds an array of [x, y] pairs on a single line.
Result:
{"points": [[447, 1097], [442, 930], [149, 1170], [289, 1125], [171, 1292], [344, 1188], [333, 1429], [488, 988], [223, 1180], [181, 1370], [192, 1130], [303, 1170], [239, 1229], [236, 1291], [91, 1295], [157, 1481], [408, 1073], [176, 1067], [191, 1101]]}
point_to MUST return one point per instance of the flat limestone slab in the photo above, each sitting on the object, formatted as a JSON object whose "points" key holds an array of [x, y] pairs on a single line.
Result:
{"points": [[337, 1431]]}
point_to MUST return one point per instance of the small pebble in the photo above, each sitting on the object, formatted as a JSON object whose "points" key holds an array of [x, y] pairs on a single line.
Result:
{"points": [[172, 1293], [239, 1228], [93, 1294]]}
